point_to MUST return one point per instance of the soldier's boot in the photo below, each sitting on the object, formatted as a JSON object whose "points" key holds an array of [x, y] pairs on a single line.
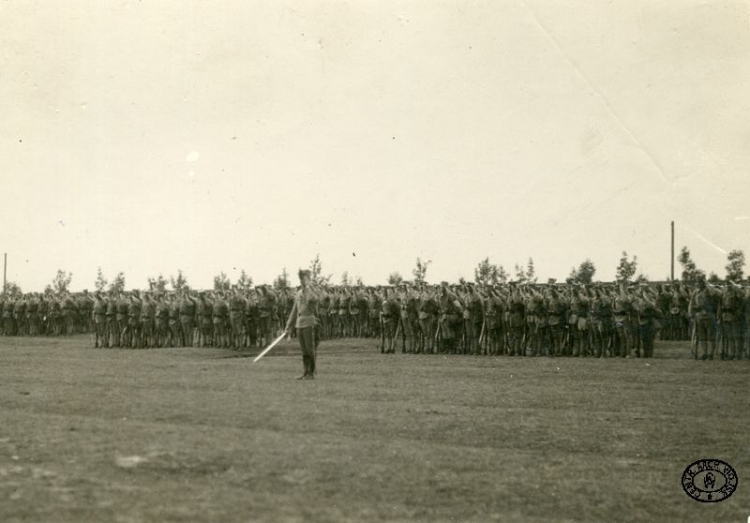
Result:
{"points": [[311, 375], [306, 367]]}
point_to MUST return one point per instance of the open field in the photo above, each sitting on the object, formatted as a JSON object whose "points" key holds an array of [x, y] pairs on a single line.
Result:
{"points": [[201, 435]]}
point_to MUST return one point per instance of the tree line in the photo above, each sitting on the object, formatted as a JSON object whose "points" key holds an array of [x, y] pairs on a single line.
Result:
{"points": [[485, 273]]}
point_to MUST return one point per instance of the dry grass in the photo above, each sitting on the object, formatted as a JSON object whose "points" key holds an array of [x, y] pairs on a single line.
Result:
{"points": [[199, 435]]}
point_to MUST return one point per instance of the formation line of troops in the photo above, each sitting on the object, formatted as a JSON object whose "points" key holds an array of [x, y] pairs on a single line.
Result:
{"points": [[147, 319], [223, 319], [599, 320]]}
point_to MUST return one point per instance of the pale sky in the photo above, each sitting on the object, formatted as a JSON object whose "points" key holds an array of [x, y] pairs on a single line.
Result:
{"points": [[150, 136]]}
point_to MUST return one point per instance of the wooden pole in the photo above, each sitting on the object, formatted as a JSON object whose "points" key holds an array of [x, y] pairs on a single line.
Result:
{"points": [[672, 278]]}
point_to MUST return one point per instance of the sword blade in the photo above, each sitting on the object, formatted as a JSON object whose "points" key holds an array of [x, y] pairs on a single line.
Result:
{"points": [[271, 346]]}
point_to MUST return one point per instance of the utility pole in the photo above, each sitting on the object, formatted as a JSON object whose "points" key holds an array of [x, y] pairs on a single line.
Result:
{"points": [[672, 250]]}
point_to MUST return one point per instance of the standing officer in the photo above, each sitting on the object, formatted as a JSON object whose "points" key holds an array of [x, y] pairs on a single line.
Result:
{"points": [[601, 310], [451, 318], [220, 318], [303, 319], [622, 309], [187, 318], [390, 318], [43, 312], [237, 307], [428, 310], [123, 309], [251, 319], [148, 317], [730, 320], [373, 313], [409, 318], [161, 321], [100, 320], [174, 322], [266, 306], [204, 310], [113, 328], [134, 319], [703, 308], [19, 314]]}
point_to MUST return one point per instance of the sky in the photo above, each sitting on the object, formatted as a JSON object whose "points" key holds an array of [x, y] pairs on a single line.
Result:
{"points": [[151, 136]]}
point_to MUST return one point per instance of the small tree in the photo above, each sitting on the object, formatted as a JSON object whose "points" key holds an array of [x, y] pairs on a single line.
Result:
{"points": [[13, 290], [735, 265], [420, 271], [358, 282], [584, 274], [530, 271], [713, 278], [690, 273], [641, 278], [61, 282], [221, 282], [157, 284], [520, 273], [101, 282], [626, 269], [282, 283], [487, 273], [316, 272], [180, 282], [118, 284], [395, 278], [345, 279], [245, 282]]}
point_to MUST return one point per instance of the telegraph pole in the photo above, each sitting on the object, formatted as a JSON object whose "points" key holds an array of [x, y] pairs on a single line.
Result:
{"points": [[672, 250]]}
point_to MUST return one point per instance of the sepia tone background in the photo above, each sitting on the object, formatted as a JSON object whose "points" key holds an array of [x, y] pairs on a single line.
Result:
{"points": [[147, 137]]}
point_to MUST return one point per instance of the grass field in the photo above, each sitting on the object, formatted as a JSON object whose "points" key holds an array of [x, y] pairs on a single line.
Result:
{"points": [[202, 435]]}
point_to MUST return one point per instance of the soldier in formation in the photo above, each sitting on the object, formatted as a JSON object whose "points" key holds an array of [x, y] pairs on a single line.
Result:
{"points": [[600, 320]]}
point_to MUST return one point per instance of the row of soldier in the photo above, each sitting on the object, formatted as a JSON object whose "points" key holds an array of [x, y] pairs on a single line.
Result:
{"points": [[222, 319], [600, 320], [152, 319], [553, 320], [36, 314]]}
